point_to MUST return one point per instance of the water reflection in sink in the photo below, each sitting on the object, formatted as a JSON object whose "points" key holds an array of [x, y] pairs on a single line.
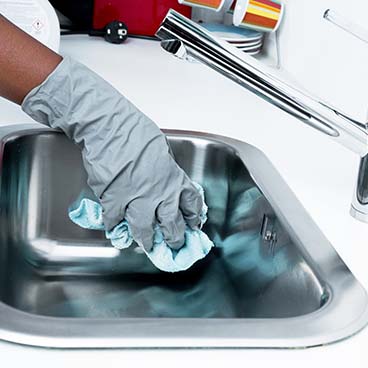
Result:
{"points": [[241, 278]]}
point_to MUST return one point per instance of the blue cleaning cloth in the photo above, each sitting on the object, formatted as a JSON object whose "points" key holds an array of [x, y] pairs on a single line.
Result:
{"points": [[88, 214]]}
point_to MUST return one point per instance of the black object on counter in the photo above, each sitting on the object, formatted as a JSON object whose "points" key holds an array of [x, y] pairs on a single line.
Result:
{"points": [[114, 32]]}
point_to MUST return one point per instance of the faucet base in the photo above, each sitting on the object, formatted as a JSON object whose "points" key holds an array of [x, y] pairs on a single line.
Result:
{"points": [[358, 215]]}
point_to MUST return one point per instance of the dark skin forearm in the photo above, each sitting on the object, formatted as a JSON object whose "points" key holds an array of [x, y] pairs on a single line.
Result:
{"points": [[24, 62]]}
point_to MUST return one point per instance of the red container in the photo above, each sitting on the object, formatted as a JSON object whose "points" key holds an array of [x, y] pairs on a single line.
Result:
{"points": [[143, 17]]}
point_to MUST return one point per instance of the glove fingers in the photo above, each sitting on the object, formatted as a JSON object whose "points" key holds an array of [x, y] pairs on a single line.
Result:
{"points": [[141, 223], [172, 225], [191, 204]]}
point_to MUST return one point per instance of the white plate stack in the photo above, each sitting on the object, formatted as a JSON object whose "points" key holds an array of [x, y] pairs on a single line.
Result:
{"points": [[244, 39]]}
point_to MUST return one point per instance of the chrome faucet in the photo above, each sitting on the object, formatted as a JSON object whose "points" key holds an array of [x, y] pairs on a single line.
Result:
{"points": [[186, 39]]}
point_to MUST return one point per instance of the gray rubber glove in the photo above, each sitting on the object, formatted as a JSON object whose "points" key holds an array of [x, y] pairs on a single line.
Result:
{"points": [[125, 154]]}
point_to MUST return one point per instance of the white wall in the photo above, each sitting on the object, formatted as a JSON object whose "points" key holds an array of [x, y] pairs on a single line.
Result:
{"points": [[322, 57]]}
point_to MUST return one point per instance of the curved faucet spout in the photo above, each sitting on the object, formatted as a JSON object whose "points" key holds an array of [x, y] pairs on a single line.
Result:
{"points": [[185, 39]]}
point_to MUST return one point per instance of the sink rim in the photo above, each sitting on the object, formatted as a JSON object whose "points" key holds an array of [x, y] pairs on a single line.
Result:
{"points": [[344, 314]]}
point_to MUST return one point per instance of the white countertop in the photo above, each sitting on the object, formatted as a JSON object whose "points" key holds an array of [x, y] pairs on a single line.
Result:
{"points": [[190, 96]]}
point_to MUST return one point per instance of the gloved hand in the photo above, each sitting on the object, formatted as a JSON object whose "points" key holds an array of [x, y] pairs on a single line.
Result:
{"points": [[125, 154]]}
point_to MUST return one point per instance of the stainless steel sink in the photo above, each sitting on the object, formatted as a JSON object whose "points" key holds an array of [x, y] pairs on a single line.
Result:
{"points": [[273, 280]]}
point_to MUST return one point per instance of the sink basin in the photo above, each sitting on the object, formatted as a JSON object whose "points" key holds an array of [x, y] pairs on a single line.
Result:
{"points": [[273, 279]]}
